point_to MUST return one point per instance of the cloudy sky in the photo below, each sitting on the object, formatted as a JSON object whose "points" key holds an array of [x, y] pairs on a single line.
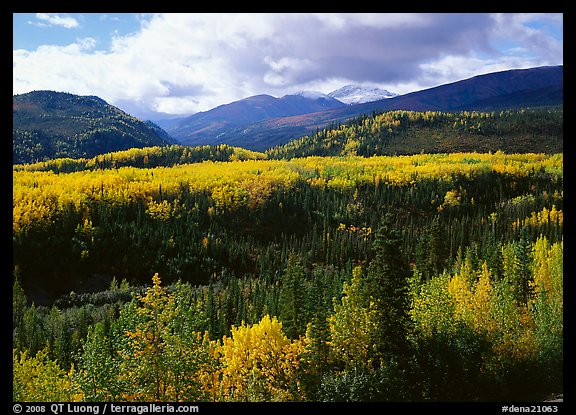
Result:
{"points": [[155, 65]]}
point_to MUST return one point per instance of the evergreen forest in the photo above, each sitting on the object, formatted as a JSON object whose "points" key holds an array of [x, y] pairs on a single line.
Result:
{"points": [[339, 267]]}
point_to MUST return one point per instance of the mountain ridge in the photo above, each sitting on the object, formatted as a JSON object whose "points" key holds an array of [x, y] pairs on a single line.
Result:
{"points": [[56, 124], [50, 124], [211, 124], [539, 86]]}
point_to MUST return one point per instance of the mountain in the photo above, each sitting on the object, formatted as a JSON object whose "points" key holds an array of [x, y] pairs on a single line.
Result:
{"points": [[516, 88], [48, 124], [213, 126], [507, 89], [357, 94]]}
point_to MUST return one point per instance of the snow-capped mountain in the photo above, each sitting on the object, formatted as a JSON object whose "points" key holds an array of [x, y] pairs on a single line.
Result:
{"points": [[357, 94], [263, 121], [211, 127]]}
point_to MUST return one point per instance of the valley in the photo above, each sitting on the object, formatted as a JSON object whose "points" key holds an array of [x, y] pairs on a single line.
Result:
{"points": [[408, 249]]}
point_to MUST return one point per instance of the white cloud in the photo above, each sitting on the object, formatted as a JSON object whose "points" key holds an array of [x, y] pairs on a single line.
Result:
{"points": [[452, 68], [177, 105], [54, 19], [530, 34], [86, 43], [182, 63]]}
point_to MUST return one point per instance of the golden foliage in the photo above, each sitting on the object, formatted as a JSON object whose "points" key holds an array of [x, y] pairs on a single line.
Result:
{"points": [[352, 324], [39, 196], [260, 363], [542, 218], [490, 307], [39, 379]]}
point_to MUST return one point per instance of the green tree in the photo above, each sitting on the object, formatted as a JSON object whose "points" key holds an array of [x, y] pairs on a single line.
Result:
{"points": [[18, 310], [431, 252], [437, 249], [387, 285], [523, 261], [516, 261], [99, 367], [33, 330], [291, 301], [163, 359]]}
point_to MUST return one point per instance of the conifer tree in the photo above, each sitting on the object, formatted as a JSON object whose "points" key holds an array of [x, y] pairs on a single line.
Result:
{"points": [[437, 250], [291, 302], [18, 310], [387, 286]]}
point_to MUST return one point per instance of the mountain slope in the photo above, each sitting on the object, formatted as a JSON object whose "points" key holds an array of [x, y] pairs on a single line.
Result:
{"points": [[517, 88], [48, 124], [400, 132], [212, 127], [477, 92]]}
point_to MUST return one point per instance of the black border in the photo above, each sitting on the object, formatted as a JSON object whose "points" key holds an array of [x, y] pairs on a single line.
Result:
{"points": [[460, 408]]}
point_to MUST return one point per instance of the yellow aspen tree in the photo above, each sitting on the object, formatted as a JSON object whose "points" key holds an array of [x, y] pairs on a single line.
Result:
{"points": [[39, 379], [259, 363], [433, 307], [481, 303], [547, 304], [548, 285], [547, 267]]}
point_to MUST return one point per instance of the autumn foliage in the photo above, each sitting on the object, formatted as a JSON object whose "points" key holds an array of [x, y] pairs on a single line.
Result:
{"points": [[428, 277]]}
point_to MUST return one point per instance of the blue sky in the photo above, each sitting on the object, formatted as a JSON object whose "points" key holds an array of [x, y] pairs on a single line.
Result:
{"points": [[159, 65], [34, 29]]}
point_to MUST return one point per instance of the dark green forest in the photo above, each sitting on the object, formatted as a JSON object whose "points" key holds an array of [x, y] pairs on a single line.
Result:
{"points": [[48, 125]]}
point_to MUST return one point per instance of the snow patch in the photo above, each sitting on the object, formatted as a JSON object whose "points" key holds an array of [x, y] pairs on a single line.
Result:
{"points": [[357, 94]]}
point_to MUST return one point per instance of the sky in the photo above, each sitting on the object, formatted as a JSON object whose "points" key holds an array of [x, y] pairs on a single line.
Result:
{"points": [[155, 66]]}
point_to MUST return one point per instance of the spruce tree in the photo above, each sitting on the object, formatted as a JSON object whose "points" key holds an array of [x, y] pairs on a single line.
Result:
{"points": [[18, 309], [437, 249], [387, 286], [291, 301]]}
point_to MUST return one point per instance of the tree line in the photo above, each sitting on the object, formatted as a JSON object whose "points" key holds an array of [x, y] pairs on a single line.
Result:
{"points": [[147, 157]]}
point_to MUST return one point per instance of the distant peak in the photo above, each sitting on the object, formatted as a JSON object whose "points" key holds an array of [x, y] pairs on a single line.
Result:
{"points": [[357, 94]]}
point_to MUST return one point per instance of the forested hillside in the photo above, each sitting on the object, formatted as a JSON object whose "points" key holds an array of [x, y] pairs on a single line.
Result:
{"points": [[48, 124], [147, 157], [428, 277], [411, 132]]}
